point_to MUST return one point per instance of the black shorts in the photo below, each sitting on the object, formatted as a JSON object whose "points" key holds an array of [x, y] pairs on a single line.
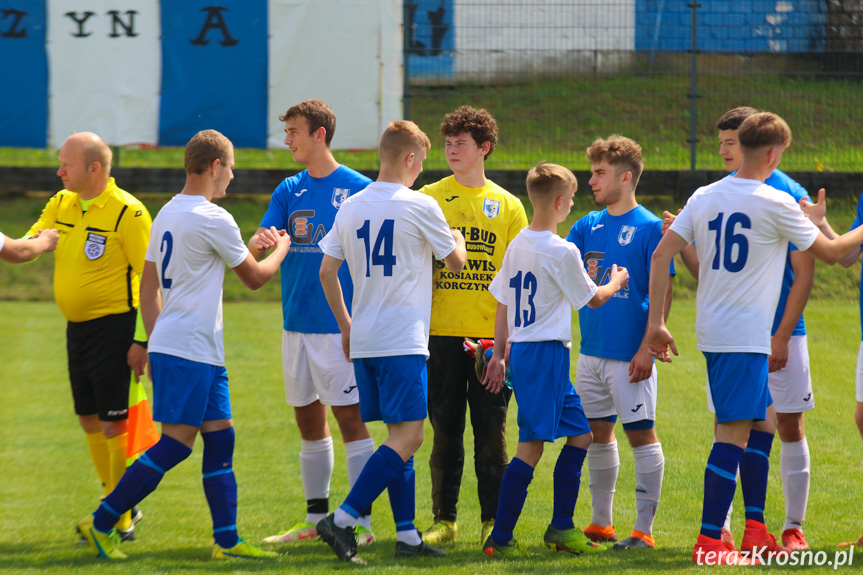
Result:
{"points": [[98, 366]]}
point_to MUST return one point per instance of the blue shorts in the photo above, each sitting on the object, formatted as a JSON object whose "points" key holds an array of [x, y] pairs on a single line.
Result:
{"points": [[738, 385], [188, 392], [392, 389], [548, 406]]}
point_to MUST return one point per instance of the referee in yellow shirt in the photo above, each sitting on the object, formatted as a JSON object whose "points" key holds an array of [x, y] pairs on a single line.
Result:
{"points": [[99, 258]]}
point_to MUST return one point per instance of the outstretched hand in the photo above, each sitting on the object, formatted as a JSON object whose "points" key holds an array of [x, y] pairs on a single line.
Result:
{"points": [[495, 375], [668, 219], [620, 275], [659, 341], [818, 211]]}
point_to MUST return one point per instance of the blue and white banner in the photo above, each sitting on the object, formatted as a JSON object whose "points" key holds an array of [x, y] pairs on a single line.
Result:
{"points": [[157, 71], [104, 61], [24, 91]]}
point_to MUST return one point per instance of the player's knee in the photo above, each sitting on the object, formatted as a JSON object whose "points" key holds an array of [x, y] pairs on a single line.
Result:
{"points": [[641, 432], [350, 422], [789, 426], [114, 428], [582, 441]]}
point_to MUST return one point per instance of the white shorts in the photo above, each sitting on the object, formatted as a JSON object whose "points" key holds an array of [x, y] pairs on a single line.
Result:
{"points": [[604, 387], [859, 392], [791, 386], [315, 367]]}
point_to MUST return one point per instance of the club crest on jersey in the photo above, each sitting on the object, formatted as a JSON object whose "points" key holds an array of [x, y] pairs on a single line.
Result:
{"points": [[94, 247], [340, 195], [626, 234], [491, 208]]}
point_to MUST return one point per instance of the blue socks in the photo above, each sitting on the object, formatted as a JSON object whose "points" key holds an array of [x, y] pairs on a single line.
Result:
{"points": [[382, 468], [567, 480], [720, 480], [513, 492], [402, 491], [754, 467], [140, 479], [220, 485]]}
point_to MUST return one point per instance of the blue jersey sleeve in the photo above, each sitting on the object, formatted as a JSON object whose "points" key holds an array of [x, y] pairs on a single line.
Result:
{"points": [[575, 235], [859, 219], [783, 182]]}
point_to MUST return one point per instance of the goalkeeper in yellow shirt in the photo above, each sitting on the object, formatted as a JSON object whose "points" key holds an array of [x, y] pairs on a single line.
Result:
{"points": [[489, 217]]}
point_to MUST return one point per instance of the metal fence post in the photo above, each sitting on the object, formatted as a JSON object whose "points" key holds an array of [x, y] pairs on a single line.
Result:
{"points": [[406, 67], [693, 90]]}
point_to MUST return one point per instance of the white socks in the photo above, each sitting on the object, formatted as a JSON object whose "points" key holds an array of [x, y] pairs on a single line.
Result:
{"points": [[316, 469], [794, 464], [649, 469], [357, 453], [343, 519], [603, 463], [411, 537]]}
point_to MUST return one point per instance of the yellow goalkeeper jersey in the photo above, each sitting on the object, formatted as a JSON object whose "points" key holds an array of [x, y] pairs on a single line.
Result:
{"points": [[489, 217], [100, 254]]}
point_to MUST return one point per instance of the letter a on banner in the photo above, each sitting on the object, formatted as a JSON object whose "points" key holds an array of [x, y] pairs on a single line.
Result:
{"points": [[214, 70]]}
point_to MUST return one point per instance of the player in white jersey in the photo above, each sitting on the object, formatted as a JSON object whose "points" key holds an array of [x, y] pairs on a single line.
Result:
{"points": [[616, 376], [789, 377], [181, 304], [316, 373], [541, 278], [741, 228], [387, 234], [816, 213], [26, 249]]}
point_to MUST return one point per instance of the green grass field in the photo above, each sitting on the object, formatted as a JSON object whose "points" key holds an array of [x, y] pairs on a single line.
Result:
{"points": [[555, 119], [49, 483]]}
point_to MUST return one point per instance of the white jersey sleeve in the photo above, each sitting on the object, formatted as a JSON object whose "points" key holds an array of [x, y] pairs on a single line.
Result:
{"points": [[572, 278], [223, 234], [792, 224], [436, 232], [682, 225], [540, 280], [331, 244]]}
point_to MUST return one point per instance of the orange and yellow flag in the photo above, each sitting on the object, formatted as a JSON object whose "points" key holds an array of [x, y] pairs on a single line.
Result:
{"points": [[142, 429]]}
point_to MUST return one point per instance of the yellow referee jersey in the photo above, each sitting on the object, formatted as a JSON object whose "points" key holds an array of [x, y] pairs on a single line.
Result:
{"points": [[489, 218], [100, 255]]}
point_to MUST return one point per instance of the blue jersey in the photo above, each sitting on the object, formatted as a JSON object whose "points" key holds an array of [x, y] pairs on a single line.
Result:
{"points": [[858, 221], [782, 182], [306, 207], [616, 329]]}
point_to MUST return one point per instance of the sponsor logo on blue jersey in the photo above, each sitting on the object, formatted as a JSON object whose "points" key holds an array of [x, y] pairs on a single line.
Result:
{"points": [[302, 230], [599, 274]]}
